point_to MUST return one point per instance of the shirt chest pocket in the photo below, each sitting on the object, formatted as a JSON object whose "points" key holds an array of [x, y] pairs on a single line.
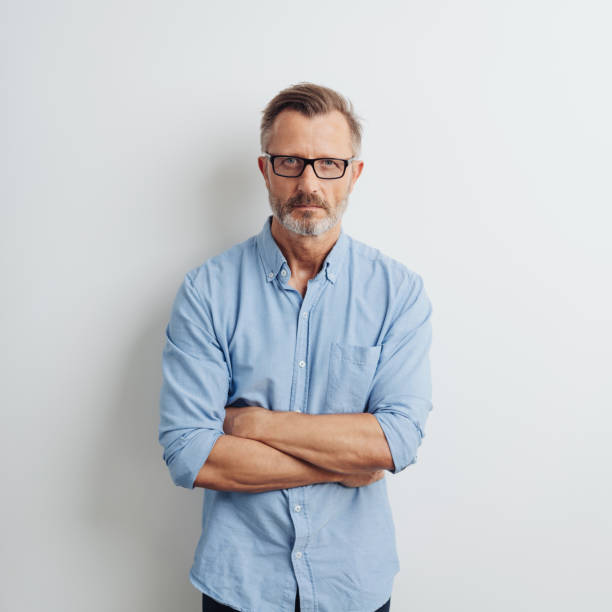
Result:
{"points": [[351, 370]]}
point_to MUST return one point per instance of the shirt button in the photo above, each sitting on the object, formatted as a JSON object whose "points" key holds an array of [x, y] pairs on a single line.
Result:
{"points": [[297, 508], [284, 272], [298, 410], [298, 555], [304, 315], [270, 274], [302, 364]]}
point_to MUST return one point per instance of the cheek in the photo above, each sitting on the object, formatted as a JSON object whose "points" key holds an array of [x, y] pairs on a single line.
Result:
{"points": [[340, 192], [279, 186]]}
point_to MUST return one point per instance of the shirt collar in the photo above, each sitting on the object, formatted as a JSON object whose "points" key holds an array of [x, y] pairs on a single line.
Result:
{"points": [[274, 261]]}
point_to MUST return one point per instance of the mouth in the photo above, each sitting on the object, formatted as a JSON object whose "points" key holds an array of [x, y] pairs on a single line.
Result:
{"points": [[306, 206]]}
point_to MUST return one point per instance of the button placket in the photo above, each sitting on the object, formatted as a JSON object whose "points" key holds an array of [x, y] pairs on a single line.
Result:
{"points": [[297, 495], [301, 351]]}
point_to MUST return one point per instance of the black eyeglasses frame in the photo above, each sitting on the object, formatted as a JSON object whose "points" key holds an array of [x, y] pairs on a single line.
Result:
{"points": [[310, 162]]}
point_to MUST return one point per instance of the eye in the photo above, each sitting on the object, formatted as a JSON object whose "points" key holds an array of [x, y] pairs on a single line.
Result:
{"points": [[331, 163]]}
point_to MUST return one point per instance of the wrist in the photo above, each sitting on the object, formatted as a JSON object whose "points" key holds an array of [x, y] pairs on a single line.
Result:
{"points": [[253, 422], [260, 424]]}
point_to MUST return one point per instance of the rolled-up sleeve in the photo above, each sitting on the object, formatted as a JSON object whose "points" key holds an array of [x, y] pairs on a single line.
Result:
{"points": [[400, 396], [195, 383]]}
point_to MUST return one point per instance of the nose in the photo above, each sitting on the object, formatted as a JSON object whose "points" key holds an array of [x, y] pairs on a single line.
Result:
{"points": [[308, 181]]}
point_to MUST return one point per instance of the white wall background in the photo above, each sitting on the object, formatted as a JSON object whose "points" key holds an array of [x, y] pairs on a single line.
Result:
{"points": [[129, 138]]}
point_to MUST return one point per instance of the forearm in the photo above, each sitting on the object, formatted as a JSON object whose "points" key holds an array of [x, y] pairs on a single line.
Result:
{"points": [[250, 466], [342, 443]]}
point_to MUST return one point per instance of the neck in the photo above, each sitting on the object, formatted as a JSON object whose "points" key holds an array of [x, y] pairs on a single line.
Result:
{"points": [[304, 254]]}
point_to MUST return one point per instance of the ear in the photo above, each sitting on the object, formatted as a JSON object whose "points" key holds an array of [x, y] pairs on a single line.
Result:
{"points": [[262, 162], [356, 170]]}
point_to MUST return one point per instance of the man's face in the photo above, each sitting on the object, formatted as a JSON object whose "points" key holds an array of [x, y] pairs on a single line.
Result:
{"points": [[306, 204]]}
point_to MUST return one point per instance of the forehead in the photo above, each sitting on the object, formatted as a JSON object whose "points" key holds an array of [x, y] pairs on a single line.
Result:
{"points": [[294, 133]]}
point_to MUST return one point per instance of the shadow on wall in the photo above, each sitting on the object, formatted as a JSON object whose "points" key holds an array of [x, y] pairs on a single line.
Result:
{"points": [[236, 199], [150, 525]]}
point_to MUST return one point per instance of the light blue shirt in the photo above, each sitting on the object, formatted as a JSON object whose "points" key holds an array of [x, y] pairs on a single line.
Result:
{"points": [[358, 340]]}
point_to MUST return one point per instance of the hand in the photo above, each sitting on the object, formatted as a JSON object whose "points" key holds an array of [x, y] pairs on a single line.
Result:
{"points": [[362, 479], [242, 421]]}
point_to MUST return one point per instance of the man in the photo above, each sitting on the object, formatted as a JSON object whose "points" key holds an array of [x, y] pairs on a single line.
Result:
{"points": [[295, 372]]}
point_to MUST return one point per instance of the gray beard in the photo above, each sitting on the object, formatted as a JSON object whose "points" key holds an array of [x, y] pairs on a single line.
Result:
{"points": [[307, 223]]}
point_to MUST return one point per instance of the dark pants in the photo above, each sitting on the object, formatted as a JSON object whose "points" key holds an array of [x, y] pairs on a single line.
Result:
{"points": [[210, 605]]}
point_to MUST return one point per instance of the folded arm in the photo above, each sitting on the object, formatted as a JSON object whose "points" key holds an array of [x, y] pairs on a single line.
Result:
{"points": [[239, 464], [341, 443]]}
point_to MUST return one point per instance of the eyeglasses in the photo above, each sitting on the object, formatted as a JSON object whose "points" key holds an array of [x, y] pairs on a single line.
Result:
{"points": [[291, 166]]}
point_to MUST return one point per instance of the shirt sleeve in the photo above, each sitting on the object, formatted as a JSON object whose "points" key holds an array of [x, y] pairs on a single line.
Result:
{"points": [[400, 396], [195, 383]]}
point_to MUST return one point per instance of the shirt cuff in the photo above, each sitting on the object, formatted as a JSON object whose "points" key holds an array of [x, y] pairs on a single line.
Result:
{"points": [[187, 461], [403, 437]]}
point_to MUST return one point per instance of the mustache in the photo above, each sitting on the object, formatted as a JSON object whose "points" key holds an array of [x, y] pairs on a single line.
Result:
{"points": [[303, 199]]}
